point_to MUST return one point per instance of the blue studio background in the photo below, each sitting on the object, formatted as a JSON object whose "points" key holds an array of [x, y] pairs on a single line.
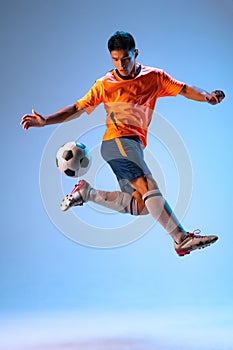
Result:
{"points": [[51, 53]]}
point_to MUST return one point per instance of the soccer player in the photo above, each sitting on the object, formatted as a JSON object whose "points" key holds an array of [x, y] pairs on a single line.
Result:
{"points": [[129, 93]]}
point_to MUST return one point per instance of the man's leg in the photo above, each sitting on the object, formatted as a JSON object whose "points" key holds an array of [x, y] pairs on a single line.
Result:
{"points": [[122, 202], [158, 207], [184, 242]]}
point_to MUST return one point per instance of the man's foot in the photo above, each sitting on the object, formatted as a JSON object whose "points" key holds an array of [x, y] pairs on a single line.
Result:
{"points": [[79, 195], [193, 241]]}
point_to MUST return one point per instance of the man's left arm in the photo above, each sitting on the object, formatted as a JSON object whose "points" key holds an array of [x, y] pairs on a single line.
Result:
{"points": [[201, 95]]}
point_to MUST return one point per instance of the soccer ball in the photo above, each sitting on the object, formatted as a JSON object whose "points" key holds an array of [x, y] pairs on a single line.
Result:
{"points": [[73, 159]]}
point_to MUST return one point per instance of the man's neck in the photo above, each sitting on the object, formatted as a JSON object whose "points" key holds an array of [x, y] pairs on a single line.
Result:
{"points": [[132, 75]]}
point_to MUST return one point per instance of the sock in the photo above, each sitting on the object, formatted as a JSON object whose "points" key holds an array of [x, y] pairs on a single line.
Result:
{"points": [[119, 201], [161, 211]]}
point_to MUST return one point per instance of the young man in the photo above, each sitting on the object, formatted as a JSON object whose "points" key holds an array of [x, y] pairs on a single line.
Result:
{"points": [[129, 93]]}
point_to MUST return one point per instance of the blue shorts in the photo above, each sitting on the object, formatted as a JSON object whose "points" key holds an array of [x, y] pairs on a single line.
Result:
{"points": [[125, 157]]}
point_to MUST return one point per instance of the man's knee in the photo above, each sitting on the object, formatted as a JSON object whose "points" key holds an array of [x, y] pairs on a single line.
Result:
{"points": [[139, 204], [144, 183], [140, 185]]}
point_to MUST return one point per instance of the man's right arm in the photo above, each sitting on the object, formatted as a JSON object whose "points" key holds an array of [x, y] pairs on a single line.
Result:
{"points": [[63, 115]]}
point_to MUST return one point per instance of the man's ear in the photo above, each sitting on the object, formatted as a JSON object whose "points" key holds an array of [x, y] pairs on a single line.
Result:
{"points": [[136, 53]]}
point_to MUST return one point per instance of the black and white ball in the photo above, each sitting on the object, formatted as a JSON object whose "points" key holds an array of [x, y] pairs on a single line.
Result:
{"points": [[73, 159]]}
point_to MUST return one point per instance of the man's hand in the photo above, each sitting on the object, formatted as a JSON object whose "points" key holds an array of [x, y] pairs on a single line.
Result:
{"points": [[34, 119], [63, 115], [215, 97]]}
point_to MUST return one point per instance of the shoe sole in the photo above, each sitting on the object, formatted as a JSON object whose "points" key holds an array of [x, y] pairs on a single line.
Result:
{"points": [[69, 202], [66, 203], [197, 246]]}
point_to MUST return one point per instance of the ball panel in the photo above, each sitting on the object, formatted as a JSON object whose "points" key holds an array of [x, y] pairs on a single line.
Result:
{"points": [[80, 145], [69, 172], [84, 162], [68, 154]]}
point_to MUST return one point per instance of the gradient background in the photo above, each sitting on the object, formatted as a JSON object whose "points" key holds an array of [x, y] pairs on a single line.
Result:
{"points": [[54, 291]]}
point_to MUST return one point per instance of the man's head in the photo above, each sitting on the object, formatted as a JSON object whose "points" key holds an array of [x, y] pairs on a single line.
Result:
{"points": [[122, 49], [121, 41]]}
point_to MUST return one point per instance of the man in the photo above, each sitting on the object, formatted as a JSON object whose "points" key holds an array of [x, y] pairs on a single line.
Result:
{"points": [[129, 93]]}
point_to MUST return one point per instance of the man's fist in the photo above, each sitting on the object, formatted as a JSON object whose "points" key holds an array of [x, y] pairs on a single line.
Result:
{"points": [[215, 97]]}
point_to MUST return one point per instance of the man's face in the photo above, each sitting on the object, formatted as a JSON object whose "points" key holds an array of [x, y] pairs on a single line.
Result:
{"points": [[125, 61]]}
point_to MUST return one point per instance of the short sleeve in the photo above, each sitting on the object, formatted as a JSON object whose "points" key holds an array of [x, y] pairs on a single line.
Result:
{"points": [[169, 86], [92, 98]]}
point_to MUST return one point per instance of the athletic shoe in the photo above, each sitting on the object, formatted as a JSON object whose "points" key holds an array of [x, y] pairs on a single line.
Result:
{"points": [[193, 241], [79, 195]]}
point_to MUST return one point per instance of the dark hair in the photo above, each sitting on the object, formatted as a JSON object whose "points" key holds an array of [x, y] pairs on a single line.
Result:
{"points": [[121, 41]]}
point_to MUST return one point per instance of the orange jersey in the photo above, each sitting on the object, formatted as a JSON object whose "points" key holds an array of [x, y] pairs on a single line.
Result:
{"points": [[129, 103]]}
